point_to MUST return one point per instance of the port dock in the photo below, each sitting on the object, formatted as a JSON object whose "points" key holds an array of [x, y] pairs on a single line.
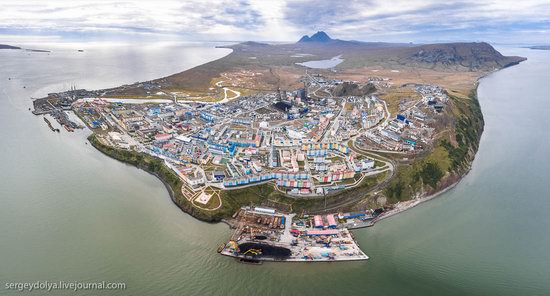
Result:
{"points": [[50, 125], [263, 234]]}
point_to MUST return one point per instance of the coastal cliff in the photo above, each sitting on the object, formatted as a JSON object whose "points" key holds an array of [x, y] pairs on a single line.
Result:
{"points": [[450, 159]]}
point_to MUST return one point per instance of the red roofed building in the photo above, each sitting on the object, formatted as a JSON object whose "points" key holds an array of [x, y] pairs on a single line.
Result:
{"points": [[162, 137]]}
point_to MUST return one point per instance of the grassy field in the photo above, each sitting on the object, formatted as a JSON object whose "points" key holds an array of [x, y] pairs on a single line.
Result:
{"points": [[394, 96]]}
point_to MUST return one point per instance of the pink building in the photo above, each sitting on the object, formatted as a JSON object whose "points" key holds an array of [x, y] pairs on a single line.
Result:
{"points": [[318, 221]]}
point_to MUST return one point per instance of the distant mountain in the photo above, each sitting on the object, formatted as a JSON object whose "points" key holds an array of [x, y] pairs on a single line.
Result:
{"points": [[471, 55], [5, 46], [322, 38], [278, 62], [304, 38], [465, 56], [317, 37]]}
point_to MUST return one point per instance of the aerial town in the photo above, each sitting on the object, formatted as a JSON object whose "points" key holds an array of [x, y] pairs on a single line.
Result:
{"points": [[306, 142]]}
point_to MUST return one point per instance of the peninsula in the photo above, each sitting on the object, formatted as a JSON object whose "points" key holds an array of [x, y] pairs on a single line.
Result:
{"points": [[5, 46], [294, 144], [540, 47]]}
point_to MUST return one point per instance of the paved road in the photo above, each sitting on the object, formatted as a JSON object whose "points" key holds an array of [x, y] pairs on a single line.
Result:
{"points": [[346, 202]]}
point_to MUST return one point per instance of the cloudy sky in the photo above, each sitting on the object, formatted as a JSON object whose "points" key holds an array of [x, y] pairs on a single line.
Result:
{"points": [[498, 21]]}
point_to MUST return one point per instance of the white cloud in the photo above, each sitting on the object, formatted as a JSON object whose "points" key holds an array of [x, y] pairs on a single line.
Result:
{"points": [[275, 20]]}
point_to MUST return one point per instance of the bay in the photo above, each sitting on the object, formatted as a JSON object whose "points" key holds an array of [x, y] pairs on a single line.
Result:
{"points": [[69, 213]]}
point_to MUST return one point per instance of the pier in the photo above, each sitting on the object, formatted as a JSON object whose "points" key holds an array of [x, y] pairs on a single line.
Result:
{"points": [[50, 125]]}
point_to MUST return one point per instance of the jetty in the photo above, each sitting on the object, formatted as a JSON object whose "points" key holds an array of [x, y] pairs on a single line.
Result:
{"points": [[50, 125]]}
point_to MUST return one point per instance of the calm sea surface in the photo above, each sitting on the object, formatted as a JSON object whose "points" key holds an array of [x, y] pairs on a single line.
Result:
{"points": [[69, 213]]}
